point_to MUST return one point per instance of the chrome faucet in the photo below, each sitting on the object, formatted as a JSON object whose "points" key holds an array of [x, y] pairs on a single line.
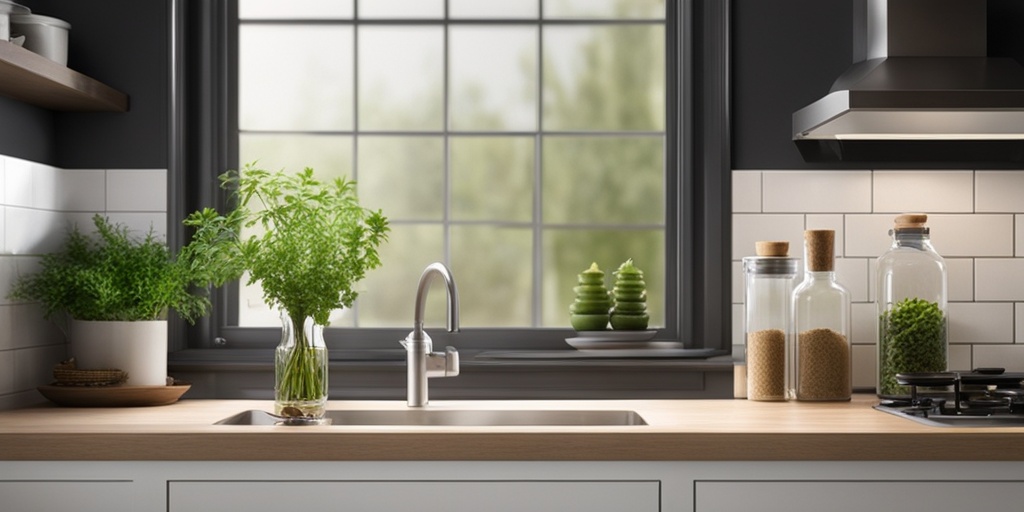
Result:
{"points": [[421, 362]]}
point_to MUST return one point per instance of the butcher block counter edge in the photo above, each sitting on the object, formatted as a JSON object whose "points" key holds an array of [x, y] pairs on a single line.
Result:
{"points": [[677, 430]]}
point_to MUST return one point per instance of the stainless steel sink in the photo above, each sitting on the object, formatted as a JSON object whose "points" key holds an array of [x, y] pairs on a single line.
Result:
{"points": [[465, 418]]}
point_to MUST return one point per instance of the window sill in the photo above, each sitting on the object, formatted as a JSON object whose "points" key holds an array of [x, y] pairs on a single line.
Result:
{"points": [[380, 375]]}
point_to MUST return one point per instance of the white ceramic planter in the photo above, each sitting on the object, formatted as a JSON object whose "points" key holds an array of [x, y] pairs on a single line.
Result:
{"points": [[139, 348]]}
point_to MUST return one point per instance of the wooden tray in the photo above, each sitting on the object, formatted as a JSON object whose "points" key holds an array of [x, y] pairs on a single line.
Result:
{"points": [[114, 396]]}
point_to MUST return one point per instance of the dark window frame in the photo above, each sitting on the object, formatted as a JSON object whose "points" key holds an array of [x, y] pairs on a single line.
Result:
{"points": [[202, 146]]}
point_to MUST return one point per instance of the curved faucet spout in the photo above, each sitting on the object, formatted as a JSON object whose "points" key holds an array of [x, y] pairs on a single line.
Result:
{"points": [[421, 299], [421, 362]]}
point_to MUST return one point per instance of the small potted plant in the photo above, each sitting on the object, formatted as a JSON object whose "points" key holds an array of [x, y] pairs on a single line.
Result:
{"points": [[306, 242], [111, 292]]}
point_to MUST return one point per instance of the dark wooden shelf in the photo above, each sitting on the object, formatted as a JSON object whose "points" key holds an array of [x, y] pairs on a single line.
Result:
{"points": [[34, 79]]}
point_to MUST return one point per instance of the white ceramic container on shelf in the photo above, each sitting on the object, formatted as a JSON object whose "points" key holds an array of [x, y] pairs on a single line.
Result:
{"points": [[43, 35], [139, 348]]}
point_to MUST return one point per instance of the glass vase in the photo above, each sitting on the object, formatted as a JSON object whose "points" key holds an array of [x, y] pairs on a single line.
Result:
{"points": [[300, 369]]}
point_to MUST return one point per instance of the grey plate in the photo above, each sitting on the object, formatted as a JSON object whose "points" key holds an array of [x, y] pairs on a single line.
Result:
{"points": [[618, 340]]}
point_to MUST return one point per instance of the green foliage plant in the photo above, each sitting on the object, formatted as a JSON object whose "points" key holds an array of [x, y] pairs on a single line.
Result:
{"points": [[312, 243], [912, 338], [117, 276]]}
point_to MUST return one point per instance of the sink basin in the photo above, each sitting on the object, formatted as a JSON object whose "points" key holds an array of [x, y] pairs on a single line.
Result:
{"points": [[465, 418]]}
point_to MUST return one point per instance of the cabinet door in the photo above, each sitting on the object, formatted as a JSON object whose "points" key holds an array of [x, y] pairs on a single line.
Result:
{"points": [[447, 496], [846, 496], [77, 496]]}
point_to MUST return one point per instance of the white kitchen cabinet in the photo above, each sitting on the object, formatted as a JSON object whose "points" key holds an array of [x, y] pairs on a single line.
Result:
{"points": [[668, 486], [433, 496], [59, 495], [855, 496]]}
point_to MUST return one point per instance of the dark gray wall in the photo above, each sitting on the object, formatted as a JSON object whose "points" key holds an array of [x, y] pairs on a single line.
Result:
{"points": [[123, 43], [787, 53], [26, 131]]}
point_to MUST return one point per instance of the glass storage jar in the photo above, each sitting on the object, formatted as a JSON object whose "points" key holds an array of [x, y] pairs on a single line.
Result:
{"points": [[820, 358], [911, 288], [768, 289]]}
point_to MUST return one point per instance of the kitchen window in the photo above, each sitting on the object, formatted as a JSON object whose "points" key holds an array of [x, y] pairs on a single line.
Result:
{"points": [[517, 141]]}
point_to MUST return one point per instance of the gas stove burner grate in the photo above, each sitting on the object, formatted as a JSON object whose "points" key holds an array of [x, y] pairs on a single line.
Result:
{"points": [[983, 397]]}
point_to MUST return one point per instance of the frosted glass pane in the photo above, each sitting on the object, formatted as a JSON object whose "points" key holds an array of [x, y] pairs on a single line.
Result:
{"points": [[604, 78], [401, 9], [495, 272], [493, 8], [404, 176], [295, 77], [492, 178], [387, 294], [493, 78], [634, 9], [401, 78], [604, 180], [568, 252], [329, 155], [295, 9]]}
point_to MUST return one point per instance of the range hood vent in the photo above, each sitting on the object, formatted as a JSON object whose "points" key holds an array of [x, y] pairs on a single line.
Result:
{"points": [[922, 89]]}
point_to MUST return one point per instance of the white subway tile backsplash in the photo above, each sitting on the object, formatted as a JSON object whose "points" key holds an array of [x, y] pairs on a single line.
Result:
{"points": [[30, 231], [863, 323], [17, 183], [1010, 357], [999, 191], [977, 225], [746, 191], [817, 191], [30, 184], [959, 358], [141, 223], [960, 275], [977, 322], [972, 235], [737, 326], [750, 228], [3, 230], [1019, 323], [81, 190], [1018, 222], [852, 273], [737, 282], [1000, 279], [136, 190], [34, 366], [32, 329], [868, 235], [865, 367], [923, 191]]}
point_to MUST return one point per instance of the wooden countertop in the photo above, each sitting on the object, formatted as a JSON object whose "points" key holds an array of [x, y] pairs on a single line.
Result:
{"points": [[677, 430]]}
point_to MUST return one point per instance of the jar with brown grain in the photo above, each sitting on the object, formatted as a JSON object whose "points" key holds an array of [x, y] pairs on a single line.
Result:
{"points": [[820, 351], [768, 288]]}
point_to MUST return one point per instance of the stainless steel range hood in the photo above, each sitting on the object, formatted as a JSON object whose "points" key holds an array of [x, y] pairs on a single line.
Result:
{"points": [[923, 89]]}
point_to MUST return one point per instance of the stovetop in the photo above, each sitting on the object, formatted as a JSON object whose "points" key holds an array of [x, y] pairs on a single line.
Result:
{"points": [[984, 397]]}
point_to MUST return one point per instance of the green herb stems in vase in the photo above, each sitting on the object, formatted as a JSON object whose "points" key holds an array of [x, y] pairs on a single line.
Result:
{"points": [[313, 242]]}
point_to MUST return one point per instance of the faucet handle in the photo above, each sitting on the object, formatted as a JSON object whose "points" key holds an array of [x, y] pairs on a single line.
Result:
{"points": [[451, 361]]}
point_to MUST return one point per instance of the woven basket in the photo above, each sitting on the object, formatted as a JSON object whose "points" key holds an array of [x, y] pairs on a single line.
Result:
{"points": [[67, 374]]}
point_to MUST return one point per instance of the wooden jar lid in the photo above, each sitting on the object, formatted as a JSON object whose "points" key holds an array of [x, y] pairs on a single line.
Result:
{"points": [[820, 249], [772, 248], [911, 220]]}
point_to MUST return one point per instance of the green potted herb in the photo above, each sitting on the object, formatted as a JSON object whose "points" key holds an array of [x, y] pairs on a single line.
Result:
{"points": [[306, 242], [111, 293]]}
